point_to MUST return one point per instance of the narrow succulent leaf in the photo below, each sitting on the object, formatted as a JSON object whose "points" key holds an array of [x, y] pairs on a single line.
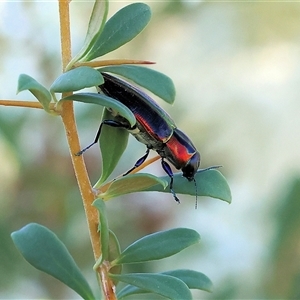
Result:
{"points": [[103, 228], [158, 245], [26, 82], [131, 184], [210, 183], [154, 81], [164, 285], [97, 20], [193, 279], [103, 100], [95, 27], [43, 250], [76, 79], [113, 142], [121, 28]]}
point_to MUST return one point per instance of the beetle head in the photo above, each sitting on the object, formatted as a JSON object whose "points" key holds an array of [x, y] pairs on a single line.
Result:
{"points": [[190, 169]]}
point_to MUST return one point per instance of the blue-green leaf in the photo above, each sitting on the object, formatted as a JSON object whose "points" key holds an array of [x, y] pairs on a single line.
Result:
{"points": [[158, 245], [121, 28], [156, 82], [130, 290], [26, 82], [193, 279], [95, 27], [76, 79], [164, 285], [43, 250], [103, 100], [210, 183]]}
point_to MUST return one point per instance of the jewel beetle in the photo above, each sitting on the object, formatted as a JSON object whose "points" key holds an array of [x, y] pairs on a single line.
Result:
{"points": [[154, 128]]}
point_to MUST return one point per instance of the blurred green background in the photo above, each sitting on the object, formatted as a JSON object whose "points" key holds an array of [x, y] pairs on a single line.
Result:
{"points": [[236, 67]]}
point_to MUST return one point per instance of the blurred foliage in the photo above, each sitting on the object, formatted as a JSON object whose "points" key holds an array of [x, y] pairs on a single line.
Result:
{"points": [[280, 278], [283, 280]]}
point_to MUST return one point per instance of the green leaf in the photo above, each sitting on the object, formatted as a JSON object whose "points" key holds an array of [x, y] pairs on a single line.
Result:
{"points": [[113, 142], [26, 82], [158, 245], [156, 82], [193, 279], [130, 184], [103, 227], [114, 246], [210, 183], [43, 250], [103, 100], [121, 28], [129, 290], [76, 79], [114, 252], [164, 285], [95, 27]]}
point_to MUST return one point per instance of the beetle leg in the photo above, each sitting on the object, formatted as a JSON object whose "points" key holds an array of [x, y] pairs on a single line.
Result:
{"points": [[139, 162], [105, 122], [168, 170]]}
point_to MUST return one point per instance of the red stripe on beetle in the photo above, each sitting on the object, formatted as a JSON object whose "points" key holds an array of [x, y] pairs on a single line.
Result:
{"points": [[179, 151]]}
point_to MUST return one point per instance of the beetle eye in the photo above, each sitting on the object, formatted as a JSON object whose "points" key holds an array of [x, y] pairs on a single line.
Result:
{"points": [[191, 167]]}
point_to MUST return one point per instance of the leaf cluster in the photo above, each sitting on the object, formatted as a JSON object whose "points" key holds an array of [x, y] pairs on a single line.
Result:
{"points": [[42, 249], [103, 37]]}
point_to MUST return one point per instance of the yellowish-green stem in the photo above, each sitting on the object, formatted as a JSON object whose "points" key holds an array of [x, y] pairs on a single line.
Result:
{"points": [[84, 184]]}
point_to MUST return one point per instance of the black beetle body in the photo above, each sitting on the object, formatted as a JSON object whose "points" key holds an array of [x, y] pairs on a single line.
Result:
{"points": [[154, 128]]}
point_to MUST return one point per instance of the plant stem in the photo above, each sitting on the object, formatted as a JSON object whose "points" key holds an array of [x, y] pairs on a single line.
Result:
{"points": [[81, 174], [28, 104], [101, 63]]}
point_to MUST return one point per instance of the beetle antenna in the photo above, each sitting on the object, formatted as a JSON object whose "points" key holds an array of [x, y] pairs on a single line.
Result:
{"points": [[209, 168], [196, 190]]}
